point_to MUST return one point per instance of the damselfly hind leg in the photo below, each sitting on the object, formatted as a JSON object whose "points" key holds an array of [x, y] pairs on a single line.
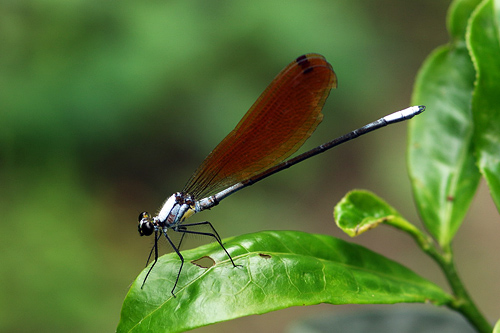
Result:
{"points": [[212, 234], [184, 230]]}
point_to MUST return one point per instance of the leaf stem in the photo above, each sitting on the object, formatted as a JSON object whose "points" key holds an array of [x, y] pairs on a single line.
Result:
{"points": [[462, 302]]}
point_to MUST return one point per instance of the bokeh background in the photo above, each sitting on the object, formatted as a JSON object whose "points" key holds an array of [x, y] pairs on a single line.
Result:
{"points": [[107, 107]]}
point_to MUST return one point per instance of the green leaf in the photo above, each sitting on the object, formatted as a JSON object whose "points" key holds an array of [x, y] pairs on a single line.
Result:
{"points": [[440, 154], [277, 269], [458, 18], [484, 43], [360, 211]]}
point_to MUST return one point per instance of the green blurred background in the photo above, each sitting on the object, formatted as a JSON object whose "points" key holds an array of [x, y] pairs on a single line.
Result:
{"points": [[106, 107]]}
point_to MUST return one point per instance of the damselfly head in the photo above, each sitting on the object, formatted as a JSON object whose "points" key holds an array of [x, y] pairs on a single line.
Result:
{"points": [[146, 226]]}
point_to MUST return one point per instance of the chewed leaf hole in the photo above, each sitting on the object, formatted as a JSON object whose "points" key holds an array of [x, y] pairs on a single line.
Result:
{"points": [[204, 262]]}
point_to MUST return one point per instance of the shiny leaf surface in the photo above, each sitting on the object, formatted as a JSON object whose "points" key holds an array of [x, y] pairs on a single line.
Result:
{"points": [[484, 43], [440, 154], [360, 211], [278, 270]]}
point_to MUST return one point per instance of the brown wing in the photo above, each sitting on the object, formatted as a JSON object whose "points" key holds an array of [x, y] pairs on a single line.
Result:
{"points": [[275, 127]]}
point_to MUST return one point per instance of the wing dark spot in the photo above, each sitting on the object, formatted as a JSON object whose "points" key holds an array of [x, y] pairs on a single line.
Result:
{"points": [[307, 70], [302, 58], [304, 63]]}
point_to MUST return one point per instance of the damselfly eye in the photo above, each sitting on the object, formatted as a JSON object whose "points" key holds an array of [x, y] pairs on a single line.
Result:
{"points": [[146, 226]]}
